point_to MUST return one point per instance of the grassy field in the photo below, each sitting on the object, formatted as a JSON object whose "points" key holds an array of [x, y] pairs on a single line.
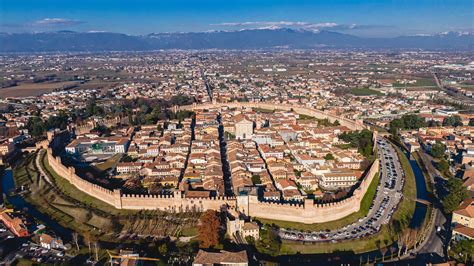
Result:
{"points": [[43, 196], [306, 117], [407, 206], [365, 92], [78, 211], [422, 82], [385, 237], [34, 89], [364, 210]]}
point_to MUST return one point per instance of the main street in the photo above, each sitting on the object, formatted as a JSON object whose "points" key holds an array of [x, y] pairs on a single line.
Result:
{"points": [[388, 196]]}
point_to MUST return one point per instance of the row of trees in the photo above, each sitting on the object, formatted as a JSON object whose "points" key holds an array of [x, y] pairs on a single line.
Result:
{"points": [[413, 121], [37, 126], [150, 112], [410, 121]]}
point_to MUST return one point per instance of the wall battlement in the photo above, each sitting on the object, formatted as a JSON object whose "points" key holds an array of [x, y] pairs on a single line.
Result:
{"points": [[353, 125], [306, 212]]}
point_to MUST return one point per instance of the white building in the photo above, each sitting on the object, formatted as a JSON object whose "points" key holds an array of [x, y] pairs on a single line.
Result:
{"points": [[243, 127]]}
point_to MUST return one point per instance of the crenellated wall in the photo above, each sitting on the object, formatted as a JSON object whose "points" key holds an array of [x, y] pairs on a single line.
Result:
{"points": [[307, 212], [174, 202], [353, 125], [91, 124], [111, 197]]}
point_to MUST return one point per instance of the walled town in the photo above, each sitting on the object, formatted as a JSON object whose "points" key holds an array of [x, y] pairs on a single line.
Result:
{"points": [[287, 152]]}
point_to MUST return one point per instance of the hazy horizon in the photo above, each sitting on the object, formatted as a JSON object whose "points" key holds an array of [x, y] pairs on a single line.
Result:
{"points": [[360, 18]]}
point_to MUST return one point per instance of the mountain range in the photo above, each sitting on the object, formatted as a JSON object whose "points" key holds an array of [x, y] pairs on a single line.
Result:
{"points": [[70, 41]]}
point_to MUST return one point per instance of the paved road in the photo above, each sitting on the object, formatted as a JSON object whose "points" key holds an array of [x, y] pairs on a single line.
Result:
{"points": [[456, 97], [40, 168], [206, 83], [437, 241], [388, 197]]}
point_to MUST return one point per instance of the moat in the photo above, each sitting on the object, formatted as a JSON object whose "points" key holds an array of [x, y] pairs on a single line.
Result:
{"points": [[302, 259]]}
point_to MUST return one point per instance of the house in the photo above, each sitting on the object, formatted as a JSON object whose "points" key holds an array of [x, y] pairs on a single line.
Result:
{"points": [[237, 225], [469, 184], [339, 178], [461, 232], [15, 224], [465, 213], [205, 258], [128, 167], [50, 242], [463, 220], [285, 184]]}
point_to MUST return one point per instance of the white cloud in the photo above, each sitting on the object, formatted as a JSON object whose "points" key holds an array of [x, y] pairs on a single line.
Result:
{"points": [[57, 22]]}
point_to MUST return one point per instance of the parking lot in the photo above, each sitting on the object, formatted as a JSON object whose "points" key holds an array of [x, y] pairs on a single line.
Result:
{"points": [[34, 252], [388, 196]]}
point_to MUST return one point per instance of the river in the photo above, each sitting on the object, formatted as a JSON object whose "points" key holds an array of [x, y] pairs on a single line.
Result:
{"points": [[421, 193], [344, 257], [334, 258], [20, 203]]}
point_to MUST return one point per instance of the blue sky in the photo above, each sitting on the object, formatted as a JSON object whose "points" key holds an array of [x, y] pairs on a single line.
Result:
{"points": [[363, 17]]}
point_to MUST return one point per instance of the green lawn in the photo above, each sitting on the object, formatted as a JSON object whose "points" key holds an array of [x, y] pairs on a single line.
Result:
{"points": [[364, 210], [421, 82], [77, 210], [344, 146], [407, 206], [70, 190], [365, 92]]}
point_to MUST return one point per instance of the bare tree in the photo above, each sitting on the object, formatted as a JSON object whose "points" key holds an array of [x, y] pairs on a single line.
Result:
{"points": [[75, 238], [392, 250], [383, 250], [96, 250], [414, 236], [403, 238]]}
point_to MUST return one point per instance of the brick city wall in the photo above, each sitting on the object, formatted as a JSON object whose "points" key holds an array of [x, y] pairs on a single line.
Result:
{"points": [[353, 125], [175, 202], [309, 212], [306, 212]]}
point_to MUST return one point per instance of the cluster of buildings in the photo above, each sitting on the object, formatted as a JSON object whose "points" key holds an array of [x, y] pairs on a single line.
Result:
{"points": [[287, 155], [204, 175], [96, 145], [228, 151], [158, 154], [460, 153], [458, 142]]}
